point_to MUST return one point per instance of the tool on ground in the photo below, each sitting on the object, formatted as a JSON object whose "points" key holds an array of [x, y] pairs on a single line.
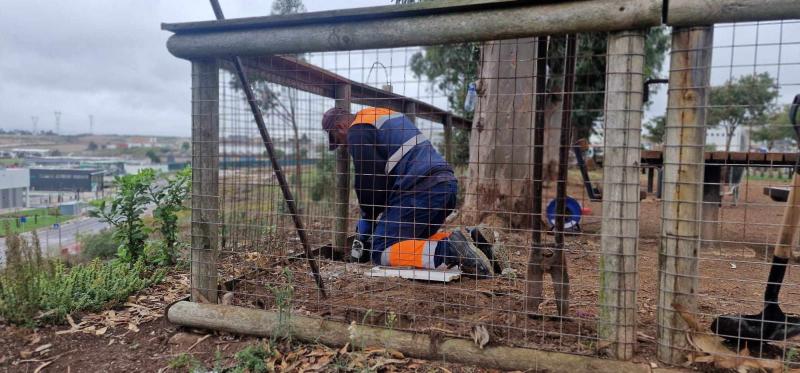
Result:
{"points": [[771, 324], [551, 258], [273, 159]]}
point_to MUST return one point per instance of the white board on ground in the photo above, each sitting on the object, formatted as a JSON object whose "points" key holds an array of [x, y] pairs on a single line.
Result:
{"points": [[416, 273]]}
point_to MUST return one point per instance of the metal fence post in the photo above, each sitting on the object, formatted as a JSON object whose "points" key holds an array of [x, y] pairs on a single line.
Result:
{"points": [[620, 227], [690, 69], [342, 198], [205, 179]]}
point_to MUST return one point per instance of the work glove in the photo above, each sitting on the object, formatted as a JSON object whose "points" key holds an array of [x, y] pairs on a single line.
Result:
{"points": [[360, 251]]}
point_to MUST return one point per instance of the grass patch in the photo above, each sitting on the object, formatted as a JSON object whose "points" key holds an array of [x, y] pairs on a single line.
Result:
{"points": [[36, 218], [35, 290]]}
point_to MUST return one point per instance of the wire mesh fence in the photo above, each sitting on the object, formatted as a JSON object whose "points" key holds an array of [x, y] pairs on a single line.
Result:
{"points": [[505, 191]]}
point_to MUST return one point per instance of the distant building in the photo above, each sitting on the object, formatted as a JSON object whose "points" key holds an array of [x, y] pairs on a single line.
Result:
{"points": [[66, 180], [740, 141], [132, 169], [29, 152], [14, 188]]}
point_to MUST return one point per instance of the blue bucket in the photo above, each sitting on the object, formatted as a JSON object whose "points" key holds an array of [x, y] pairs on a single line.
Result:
{"points": [[573, 213]]}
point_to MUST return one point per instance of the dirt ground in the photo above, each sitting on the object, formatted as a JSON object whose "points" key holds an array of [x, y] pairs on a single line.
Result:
{"points": [[733, 270], [137, 337]]}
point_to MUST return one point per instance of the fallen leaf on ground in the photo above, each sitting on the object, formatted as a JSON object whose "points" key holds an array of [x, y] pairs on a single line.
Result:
{"points": [[709, 348], [132, 327], [101, 331]]}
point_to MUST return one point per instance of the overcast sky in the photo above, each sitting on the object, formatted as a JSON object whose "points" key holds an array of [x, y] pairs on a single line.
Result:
{"points": [[105, 58], [108, 59]]}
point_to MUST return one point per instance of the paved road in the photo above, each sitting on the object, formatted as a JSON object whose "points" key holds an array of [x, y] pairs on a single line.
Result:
{"points": [[49, 237]]}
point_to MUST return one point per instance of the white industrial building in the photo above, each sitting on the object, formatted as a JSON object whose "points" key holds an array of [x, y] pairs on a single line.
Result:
{"points": [[15, 186]]}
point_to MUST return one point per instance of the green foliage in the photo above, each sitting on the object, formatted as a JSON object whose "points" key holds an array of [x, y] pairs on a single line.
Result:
{"points": [[35, 290], [186, 362], [590, 75], [453, 67], [186, 146], [252, 359], [99, 245], [169, 199], [743, 101], [281, 7], [322, 185], [125, 213], [284, 295], [153, 156], [656, 128], [777, 128]]}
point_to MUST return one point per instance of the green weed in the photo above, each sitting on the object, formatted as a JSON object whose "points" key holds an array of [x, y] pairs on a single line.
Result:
{"points": [[36, 290]]}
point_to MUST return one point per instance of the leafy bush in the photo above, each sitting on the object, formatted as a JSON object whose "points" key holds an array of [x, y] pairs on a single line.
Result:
{"points": [[252, 359], [99, 245], [125, 213], [169, 199], [323, 182], [35, 290]]}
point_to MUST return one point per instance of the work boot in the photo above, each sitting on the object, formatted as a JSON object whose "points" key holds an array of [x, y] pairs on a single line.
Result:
{"points": [[488, 241], [470, 259]]}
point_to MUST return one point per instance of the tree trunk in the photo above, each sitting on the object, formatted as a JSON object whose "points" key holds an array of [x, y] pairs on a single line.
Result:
{"points": [[729, 138], [501, 152], [553, 111]]}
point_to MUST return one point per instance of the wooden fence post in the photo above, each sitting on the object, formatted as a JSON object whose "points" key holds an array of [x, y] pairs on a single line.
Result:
{"points": [[690, 69], [342, 177], [205, 179], [620, 227]]}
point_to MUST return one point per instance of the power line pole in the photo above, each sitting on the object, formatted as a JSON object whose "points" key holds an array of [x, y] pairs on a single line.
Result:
{"points": [[58, 121], [91, 124], [35, 121]]}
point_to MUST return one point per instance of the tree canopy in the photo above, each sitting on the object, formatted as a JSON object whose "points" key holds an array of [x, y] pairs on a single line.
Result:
{"points": [[777, 128], [743, 101]]}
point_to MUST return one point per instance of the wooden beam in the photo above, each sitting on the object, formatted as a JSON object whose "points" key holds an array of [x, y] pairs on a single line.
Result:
{"points": [[205, 179], [683, 185], [295, 73], [342, 177], [620, 225], [240, 320]]}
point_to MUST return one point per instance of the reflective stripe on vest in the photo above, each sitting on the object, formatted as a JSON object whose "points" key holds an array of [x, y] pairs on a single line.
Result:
{"points": [[404, 149], [378, 117]]}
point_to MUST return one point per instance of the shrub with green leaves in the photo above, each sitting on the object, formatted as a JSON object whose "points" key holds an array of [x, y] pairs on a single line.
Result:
{"points": [[124, 212], [98, 245], [169, 199], [36, 290]]}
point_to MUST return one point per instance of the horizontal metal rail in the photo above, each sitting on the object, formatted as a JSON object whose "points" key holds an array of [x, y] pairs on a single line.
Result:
{"points": [[396, 26]]}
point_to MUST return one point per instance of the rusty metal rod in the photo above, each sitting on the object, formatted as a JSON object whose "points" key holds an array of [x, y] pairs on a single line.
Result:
{"points": [[535, 270], [566, 132], [273, 159]]}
